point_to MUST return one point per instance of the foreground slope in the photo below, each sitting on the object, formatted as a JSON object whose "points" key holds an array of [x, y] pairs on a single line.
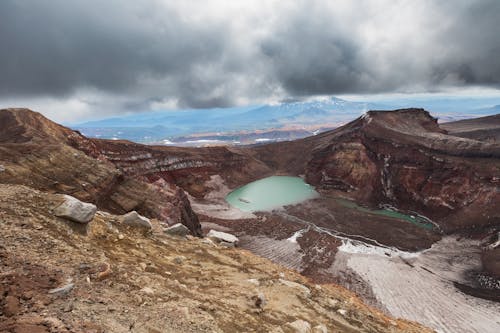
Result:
{"points": [[123, 280]]}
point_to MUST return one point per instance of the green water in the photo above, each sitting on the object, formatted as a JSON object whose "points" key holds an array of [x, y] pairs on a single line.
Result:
{"points": [[271, 192], [415, 219]]}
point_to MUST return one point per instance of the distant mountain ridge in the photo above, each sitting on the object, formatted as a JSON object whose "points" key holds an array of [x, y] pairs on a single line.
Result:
{"points": [[160, 125], [157, 126]]}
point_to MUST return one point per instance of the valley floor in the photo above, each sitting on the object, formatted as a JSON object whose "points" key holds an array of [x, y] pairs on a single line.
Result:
{"points": [[412, 285]]}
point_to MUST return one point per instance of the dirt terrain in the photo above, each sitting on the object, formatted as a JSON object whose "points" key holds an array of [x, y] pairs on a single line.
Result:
{"points": [[117, 279]]}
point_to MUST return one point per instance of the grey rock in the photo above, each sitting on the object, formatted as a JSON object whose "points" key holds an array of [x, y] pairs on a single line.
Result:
{"points": [[220, 236], [300, 326], [134, 219], [179, 260], [75, 210], [178, 229], [62, 290], [2, 168]]}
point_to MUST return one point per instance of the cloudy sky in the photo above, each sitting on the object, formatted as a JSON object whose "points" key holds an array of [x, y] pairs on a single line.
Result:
{"points": [[80, 59]]}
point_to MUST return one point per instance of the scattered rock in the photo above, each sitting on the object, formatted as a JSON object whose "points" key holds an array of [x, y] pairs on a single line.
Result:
{"points": [[11, 306], [68, 307], [179, 260], [2, 168], [147, 291], [300, 326], [138, 299], [333, 302], [220, 236], [259, 300], [104, 271], [254, 281], [152, 329], [178, 229], [135, 220], [75, 210], [320, 329], [120, 236], [342, 312], [62, 290], [296, 285], [152, 269]]}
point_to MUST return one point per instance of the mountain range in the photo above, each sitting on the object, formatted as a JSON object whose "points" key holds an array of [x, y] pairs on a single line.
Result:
{"points": [[181, 126]]}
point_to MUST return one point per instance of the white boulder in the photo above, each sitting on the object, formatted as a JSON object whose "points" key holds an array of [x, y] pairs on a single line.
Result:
{"points": [[75, 210], [220, 236], [134, 219]]}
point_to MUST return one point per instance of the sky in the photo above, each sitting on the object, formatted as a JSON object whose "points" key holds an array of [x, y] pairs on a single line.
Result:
{"points": [[84, 59]]}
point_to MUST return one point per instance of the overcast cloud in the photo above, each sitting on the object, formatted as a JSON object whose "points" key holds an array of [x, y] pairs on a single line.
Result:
{"points": [[75, 59]]}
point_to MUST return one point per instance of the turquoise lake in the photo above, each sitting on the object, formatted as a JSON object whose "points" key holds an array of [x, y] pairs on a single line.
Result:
{"points": [[270, 193], [414, 219]]}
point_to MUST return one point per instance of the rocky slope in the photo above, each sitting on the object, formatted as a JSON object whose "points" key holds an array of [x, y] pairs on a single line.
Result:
{"points": [[38, 153], [61, 276]]}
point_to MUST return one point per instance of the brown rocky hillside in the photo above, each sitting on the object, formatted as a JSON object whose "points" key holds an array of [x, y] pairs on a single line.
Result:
{"points": [[114, 278]]}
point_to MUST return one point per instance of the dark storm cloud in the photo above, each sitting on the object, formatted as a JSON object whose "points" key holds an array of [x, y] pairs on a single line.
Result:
{"points": [[56, 46], [204, 54], [454, 43]]}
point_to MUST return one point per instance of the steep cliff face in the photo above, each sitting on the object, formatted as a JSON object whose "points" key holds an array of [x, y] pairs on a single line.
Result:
{"points": [[189, 168], [39, 153]]}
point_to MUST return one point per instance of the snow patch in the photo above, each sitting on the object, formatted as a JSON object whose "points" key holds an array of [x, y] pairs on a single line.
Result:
{"points": [[296, 235], [355, 247]]}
